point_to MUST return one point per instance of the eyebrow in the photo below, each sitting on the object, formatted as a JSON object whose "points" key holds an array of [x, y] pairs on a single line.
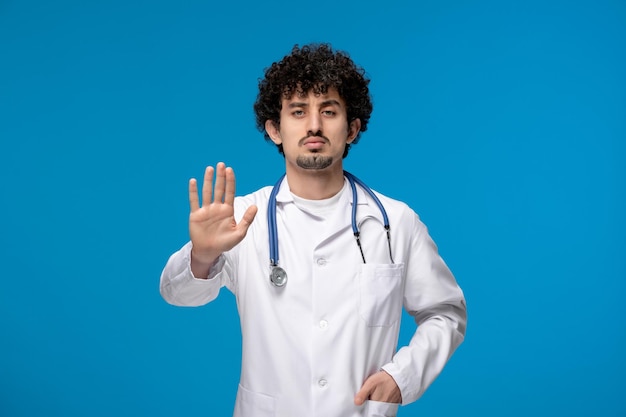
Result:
{"points": [[325, 103]]}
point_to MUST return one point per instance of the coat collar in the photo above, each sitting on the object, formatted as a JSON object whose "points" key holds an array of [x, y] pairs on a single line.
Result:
{"points": [[366, 206], [284, 194]]}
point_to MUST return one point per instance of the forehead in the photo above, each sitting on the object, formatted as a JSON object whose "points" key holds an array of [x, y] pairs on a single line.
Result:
{"points": [[299, 96]]}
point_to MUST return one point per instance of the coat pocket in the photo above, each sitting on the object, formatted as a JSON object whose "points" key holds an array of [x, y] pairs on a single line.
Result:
{"points": [[251, 403], [380, 409], [380, 292]]}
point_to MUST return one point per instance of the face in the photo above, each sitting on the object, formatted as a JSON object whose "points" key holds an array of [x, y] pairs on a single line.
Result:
{"points": [[313, 130]]}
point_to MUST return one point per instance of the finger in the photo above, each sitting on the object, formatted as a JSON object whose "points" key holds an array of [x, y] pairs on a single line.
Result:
{"points": [[247, 219], [229, 197], [207, 186], [220, 179], [194, 204]]}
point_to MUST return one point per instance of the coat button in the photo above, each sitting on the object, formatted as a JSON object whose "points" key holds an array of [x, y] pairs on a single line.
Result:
{"points": [[323, 324], [321, 261], [322, 383]]}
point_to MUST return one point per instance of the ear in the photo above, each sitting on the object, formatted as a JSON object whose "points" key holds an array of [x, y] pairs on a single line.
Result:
{"points": [[353, 130], [273, 132]]}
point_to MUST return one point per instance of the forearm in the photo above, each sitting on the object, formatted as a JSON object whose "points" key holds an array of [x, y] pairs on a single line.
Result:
{"points": [[182, 287], [441, 330]]}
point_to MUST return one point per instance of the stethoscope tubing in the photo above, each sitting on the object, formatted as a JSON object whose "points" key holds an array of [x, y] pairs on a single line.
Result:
{"points": [[357, 234], [371, 193], [271, 223], [278, 276]]}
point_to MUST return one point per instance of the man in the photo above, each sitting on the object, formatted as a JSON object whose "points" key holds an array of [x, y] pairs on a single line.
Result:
{"points": [[320, 310]]}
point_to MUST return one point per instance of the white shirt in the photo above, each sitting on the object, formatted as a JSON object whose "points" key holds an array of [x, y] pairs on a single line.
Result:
{"points": [[309, 346]]}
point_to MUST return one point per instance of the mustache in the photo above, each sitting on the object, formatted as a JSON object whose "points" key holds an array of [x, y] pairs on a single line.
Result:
{"points": [[311, 134]]}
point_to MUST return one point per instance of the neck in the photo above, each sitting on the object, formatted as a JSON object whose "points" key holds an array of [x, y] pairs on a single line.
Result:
{"points": [[314, 184]]}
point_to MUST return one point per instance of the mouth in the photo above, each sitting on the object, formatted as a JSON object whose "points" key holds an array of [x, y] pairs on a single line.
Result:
{"points": [[314, 142]]}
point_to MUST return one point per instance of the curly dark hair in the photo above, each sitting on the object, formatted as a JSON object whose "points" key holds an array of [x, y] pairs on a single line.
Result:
{"points": [[314, 67]]}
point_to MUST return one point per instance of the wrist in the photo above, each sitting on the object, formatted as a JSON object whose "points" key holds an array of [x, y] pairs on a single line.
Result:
{"points": [[205, 258], [201, 263]]}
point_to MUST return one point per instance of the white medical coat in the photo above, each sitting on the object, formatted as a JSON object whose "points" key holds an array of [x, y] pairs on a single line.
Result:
{"points": [[309, 346]]}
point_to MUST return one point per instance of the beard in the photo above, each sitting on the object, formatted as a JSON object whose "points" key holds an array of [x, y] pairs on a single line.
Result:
{"points": [[314, 161]]}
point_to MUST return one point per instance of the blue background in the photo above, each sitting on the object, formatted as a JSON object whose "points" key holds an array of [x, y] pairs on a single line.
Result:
{"points": [[502, 123]]}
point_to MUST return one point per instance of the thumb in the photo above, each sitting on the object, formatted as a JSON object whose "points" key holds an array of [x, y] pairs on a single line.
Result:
{"points": [[247, 219], [364, 393]]}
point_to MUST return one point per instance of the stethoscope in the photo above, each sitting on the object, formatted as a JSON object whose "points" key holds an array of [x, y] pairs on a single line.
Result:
{"points": [[278, 276]]}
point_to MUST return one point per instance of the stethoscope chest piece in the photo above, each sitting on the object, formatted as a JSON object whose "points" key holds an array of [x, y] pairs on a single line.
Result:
{"points": [[278, 276]]}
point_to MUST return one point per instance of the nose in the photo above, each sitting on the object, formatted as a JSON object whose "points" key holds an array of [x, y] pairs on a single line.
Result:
{"points": [[314, 122]]}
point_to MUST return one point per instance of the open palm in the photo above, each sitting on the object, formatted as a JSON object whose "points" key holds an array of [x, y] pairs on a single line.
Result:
{"points": [[212, 225]]}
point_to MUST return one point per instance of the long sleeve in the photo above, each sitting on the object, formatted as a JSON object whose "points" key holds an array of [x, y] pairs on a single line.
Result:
{"points": [[437, 304], [179, 287]]}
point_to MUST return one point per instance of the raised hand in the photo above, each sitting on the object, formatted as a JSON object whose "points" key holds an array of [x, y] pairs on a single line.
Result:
{"points": [[212, 226]]}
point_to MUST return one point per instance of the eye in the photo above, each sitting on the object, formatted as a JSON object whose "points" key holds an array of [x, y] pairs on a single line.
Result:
{"points": [[329, 113], [298, 113]]}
